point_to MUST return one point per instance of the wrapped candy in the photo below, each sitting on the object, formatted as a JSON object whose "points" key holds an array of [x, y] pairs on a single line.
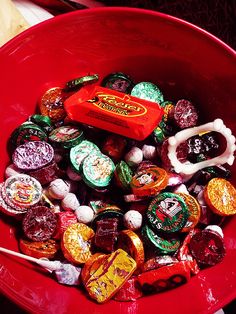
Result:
{"points": [[70, 202], [58, 189], [133, 219], [84, 214], [110, 276], [134, 157]]}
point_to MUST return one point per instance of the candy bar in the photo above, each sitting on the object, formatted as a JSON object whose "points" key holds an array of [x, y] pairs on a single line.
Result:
{"points": [[106, 234], [110, 276], [106, 109], [164, 278]]}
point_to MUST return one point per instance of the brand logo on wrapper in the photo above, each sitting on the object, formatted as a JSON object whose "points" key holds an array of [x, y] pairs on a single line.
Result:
{"points": [[123, 106], [168, 207]]}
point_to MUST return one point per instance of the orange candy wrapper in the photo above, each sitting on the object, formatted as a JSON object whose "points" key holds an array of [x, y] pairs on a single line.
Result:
{"points": [[114, 111], [76, 242]]}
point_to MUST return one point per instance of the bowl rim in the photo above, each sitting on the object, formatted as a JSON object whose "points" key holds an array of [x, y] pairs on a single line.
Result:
{"points": [[164, 16]]}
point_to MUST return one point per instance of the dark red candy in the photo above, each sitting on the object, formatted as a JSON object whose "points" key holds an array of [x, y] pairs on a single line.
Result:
{"points": [[130, 291], [207, 217], [114, 146], [207, 247], [145, 164], [181, 152], [185, 114], [106, 234], [184, 254], [164, 155], [64, 220], [82, 193], [39, 223], [140, 206], [46, 174]]}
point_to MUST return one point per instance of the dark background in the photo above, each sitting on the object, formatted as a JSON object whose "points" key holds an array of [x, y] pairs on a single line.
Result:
{"points": [[216, 16]]}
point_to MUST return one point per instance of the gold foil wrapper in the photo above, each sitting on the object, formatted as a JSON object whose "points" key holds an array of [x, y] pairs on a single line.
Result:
{"points": [[91, 265], [130, 242], [52, 104], [194, 210], [110, 276], [220, 196], [76, 243]]}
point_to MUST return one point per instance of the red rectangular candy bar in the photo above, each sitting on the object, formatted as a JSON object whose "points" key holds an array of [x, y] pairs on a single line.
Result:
{"points": [[114, 111], [164, 278]]}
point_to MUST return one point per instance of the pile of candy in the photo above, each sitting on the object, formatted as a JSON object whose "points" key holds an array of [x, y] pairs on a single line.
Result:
{"points": [[122, 214]]}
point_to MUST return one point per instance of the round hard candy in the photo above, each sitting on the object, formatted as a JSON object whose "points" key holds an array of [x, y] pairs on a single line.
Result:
{"points": [[133, 219], [84, 214]]}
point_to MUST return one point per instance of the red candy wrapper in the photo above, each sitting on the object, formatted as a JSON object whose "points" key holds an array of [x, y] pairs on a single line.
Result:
{"points": [[158, 261], [114, 147], [164, 278], [64, 220], [184, 254], [112, 110], [130, 291]]}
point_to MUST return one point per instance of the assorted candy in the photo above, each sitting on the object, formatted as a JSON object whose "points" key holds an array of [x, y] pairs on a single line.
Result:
{"points": [[117, 189]]}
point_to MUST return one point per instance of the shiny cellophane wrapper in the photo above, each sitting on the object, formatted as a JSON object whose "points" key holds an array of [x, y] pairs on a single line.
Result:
{"points": [[163, 278], [220, 196], [110, 276], [159, 182], [76, 243], [194, 210], [131, 243], [51, 104], [91, 265]]}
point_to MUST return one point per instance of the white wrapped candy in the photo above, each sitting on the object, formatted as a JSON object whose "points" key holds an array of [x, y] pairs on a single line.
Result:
{"points": [[134, 157], [201, 198], [11, 170], [216, 229], [84, 214], [68, 274], [181, 189], [70, 202], [133, 219], [149, 152], [58, 189]]}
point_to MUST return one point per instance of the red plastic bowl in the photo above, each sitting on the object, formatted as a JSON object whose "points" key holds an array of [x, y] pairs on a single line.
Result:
{"points": [[184, 61]]}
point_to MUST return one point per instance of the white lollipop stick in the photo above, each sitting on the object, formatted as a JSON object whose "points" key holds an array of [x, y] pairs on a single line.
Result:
{"points": [[49, 265]]}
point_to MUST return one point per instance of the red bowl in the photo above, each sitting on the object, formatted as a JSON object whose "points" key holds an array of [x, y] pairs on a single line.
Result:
{"points": [[184, 61]]}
